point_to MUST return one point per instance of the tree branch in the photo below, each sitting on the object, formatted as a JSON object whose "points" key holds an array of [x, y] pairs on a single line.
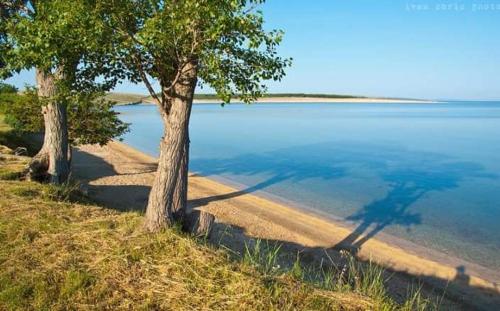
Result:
{"points": [[145, 79]]}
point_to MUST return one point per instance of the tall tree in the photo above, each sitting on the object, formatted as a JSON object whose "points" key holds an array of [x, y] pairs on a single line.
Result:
{"points": [[182, 43], [65, 42]]}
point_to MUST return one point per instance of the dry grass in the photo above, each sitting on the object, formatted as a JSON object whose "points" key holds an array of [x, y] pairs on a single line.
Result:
{"points": [[57, 254]]}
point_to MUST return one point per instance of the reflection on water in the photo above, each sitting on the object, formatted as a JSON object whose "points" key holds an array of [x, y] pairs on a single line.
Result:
{"points": [[427, 173]]}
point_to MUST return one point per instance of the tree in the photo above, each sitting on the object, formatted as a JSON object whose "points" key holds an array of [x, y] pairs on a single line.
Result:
{"points": [[65, 42], [220, 43], [91, 119]]}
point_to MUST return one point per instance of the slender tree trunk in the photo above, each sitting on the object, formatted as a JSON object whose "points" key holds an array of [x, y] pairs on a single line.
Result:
{"points": [[173, 149], [52, 159]]}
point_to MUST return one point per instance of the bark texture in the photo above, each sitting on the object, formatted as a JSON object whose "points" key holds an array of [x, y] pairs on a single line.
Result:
{"points": [[51, 162], [179, 204], [176, 110], [199, 223]]}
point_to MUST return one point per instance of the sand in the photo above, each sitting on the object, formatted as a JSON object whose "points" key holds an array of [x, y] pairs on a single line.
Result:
{"points": [[119, 176]]}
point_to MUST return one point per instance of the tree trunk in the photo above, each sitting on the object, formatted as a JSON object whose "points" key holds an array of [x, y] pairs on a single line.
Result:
{"points": [[173, 149], [179, 204], [58, 143], [52, 159]]}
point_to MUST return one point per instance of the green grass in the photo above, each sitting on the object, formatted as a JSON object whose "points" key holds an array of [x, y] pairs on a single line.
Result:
{"points": [[59, 251]]}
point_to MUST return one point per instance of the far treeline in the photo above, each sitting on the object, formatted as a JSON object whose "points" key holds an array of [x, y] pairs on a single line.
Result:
{"points": [[273, 95], [80, 50]]}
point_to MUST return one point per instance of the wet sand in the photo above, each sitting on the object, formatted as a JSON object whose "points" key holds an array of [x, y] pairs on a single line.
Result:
{"points": [[119, 176]]}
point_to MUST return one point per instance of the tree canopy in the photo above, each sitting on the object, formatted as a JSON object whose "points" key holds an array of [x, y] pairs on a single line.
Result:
{"points": [[226, 38], [68, 40], [65, 38]]}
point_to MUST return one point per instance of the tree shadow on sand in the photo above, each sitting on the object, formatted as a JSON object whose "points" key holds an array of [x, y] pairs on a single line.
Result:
{"points": [[89, 168]]}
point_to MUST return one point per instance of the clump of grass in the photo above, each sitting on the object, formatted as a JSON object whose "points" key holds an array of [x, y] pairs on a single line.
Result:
{"points": [[69, 191], [76, 282], [417, 302], [9, 175], [26, 192], [352, 277], [263, 256]]}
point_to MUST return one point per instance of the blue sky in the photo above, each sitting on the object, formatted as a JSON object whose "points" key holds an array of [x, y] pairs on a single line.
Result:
{"points": [[415, 48]]}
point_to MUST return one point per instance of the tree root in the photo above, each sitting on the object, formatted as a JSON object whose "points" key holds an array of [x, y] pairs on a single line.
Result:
{"points": [[37, 169]]}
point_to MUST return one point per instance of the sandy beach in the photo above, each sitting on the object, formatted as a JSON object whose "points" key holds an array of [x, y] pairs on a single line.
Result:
{"points": [[119, 176]]}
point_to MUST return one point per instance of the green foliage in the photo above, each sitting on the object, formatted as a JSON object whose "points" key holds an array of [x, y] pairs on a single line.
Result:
{"points": [[92, 120], [63, 38], [22, 112], [7, 9], [224, 38], [7, 88], [66, 41]]}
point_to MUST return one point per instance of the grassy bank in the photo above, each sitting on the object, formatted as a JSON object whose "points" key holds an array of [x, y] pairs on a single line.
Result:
{"points": [[58, 250]]}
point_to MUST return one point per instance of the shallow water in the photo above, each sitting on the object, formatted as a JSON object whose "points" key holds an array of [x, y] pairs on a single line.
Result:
{"points": [[428, 173]]}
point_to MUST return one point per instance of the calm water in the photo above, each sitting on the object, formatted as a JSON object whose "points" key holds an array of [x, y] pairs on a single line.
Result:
{"points": [[429, 173]]}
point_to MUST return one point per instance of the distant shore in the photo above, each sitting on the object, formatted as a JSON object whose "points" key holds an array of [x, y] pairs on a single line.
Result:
{"points": [[134, 99], [291, 100], [262, 218]]}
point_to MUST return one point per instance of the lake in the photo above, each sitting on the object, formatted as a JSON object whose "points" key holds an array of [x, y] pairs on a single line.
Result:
{"points": [[427, 173]]}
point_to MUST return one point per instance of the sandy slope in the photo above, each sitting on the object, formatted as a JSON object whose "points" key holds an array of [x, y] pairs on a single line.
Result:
{"points": [[120, 176]]}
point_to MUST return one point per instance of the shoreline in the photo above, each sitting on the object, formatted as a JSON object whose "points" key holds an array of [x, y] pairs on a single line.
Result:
{"points": [[316, 100], [289, 100], [262, 218], [487, 274]]}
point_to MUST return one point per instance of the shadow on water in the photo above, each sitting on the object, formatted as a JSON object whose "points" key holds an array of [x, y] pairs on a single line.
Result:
{"points": [[408, 176], [282, 169]]}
